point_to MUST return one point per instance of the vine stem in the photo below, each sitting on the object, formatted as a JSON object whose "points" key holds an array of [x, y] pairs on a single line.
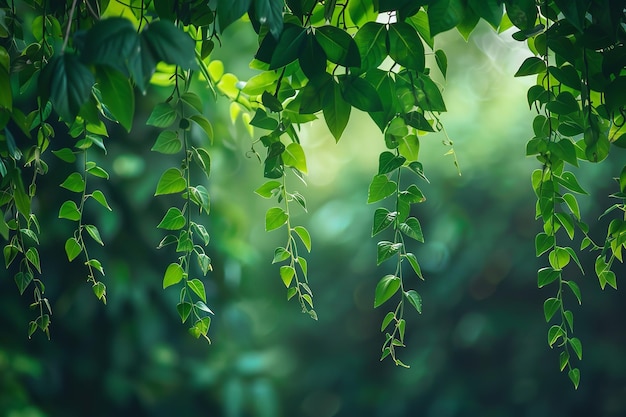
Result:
{"points": [[69, 25]]}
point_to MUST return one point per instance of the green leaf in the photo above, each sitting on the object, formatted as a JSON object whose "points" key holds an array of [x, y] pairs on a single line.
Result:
{"points": [[163, 115], [550, 307], [371, 40], [577, 347], [360, 93], [168, 143], [23, 280], [9, 252], [173, 220], [173, 275], [96, 171], [281, 254], [412, 228], [569, 181], [444, 15], [184, 242], [304, 235], [546, 276], [65, 154], [287, 48], [269, 189], [543, 243], [275, 218], [203, 159], [490, 10], [406, 47], [72, 248], [198, 288], [171, 182], [94, 263], [67, 82], [110, 42], [554, 334], [228, 11], [522, 13], [409, 148], [559, 258], [74, 182], [170, 44], [380, 188], [414, 264], [94, 233], [204, 124], [338, 45], [563, 360], [442, 61], [428, 95], [388, 162], [531, 66], [184, 310], [574, 376], [415, 299], [99, 290], [293, 156], [385, 289], [117, 95], [386, 250], [69, 211], [383, 218], [101, 199], [286, 274], [386, 321], [270, 12], [200, 305], [272, 103], [336, 111], [575, 290]]}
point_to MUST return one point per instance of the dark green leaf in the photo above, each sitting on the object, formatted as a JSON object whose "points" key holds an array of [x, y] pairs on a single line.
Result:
{"points": [[405, 46], [74, 182], [428, 94], [543, 243], [117, 95], [22, 280], [371, 40], [388, 162], [442, 61], [68, 83], [270, 13], [546, 276], [184, 309], [360, 93], [531, 66], [383, 218], [444, 15], [336, 111], [522, 13], [412, 228], [490, 10], [569, 181], [338, 45], [170, 44], [414, 264], [110, 42], [550, 307], [69, 211], [288, 46], [380, 188], [574, 376]]}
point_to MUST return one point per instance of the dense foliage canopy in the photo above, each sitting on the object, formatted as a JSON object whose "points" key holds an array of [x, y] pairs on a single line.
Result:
{"points": [[69, 75]]}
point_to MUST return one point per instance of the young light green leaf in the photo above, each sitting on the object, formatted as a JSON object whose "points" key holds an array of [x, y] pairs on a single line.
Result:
{"points": [[550, 307], [304, 235], [72, 248], [171, 182], [293, 156], [386, 321], [173, 220], [97, 171], [286, 274], [173, 274], [415, 299], [269, 189], [198, 288], [281, 254], [385, 289], [577, 347], [33, 258], [101, 199], [99, 290], [543, 243], [96, 264], [574, 376], [184, 309], [275, 218], [163, 115], [69, 211], [74, 182], [65, 154], [575, 290], [94, 233], [168, 142]]}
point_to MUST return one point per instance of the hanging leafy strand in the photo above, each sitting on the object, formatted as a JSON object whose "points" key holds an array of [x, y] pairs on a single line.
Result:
{"points": [[404, 226], [315, 59], [579, 117]]}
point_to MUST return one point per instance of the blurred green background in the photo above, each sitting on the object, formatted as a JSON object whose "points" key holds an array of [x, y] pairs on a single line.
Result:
{"points": [[479, 349]]}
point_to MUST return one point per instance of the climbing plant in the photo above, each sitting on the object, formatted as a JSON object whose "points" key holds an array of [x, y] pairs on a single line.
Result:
{"points": [[70, 70]]}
